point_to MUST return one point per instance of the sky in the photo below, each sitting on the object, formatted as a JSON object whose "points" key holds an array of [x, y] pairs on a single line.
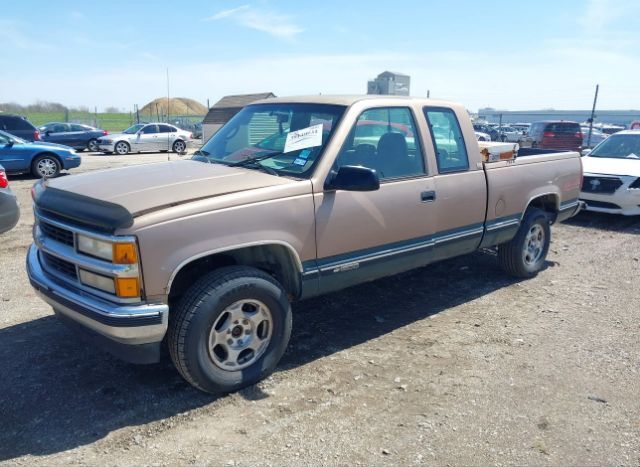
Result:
{"points": [[508, 55]]}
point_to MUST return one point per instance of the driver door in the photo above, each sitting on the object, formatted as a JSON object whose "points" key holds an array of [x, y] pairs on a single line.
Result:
{"points": [[146, 139], [366, 235]]}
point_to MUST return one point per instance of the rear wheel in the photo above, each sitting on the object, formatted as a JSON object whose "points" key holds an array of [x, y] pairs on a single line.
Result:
{"points": [[122, 148], [230, 329], [92, 145], [525, 255], [45, 166], [179, 147]]}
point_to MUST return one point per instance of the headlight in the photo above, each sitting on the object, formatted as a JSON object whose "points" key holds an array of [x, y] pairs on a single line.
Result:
{"points": [[95, 247], [117, 253]]}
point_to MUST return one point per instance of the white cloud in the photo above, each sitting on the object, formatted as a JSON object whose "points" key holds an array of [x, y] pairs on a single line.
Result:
{"points": [[599, 15], [276, 24]]}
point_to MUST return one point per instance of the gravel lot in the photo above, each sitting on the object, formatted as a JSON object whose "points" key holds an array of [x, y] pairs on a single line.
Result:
{"points": [[455, 364]]}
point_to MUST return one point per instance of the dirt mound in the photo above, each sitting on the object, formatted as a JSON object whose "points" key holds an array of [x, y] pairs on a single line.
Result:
{"points": [[177, 106]]}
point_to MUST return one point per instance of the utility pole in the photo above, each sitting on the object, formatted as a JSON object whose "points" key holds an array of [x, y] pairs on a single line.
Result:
{"points": [[593, 115], [428, 94], [168, 113]]}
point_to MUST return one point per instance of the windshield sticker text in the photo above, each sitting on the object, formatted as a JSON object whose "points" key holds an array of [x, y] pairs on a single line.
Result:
{"points": [[305, 138]]}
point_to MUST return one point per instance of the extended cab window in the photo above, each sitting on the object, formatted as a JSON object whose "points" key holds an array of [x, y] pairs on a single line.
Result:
{"points": [[385, 140], [451, 152]]}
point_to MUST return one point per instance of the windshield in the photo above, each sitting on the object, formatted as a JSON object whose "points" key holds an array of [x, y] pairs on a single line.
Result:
{"points": [[133, 129], [285, 138], [618, 147]]}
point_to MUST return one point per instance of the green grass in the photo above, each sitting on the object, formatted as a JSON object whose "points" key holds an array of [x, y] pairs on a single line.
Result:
{"points": [[107, 121]]}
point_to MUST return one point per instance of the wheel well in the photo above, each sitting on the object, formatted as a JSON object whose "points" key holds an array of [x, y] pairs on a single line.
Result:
{"points": [[276, 260], [547, 203]]}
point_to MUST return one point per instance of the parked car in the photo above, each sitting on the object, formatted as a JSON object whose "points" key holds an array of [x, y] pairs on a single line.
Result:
{"points": [[597, 137], [488, 129], [79, 137], [480, 136], [552, 134], [612, 175], [38, 158], [152, 137], [509, 134], [9, 209], [19, 126], [227, 244]]}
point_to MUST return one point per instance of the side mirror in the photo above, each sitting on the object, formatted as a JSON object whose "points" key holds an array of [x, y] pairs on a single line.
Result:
{"points": [[585, 152], [353, 178], [47, 133], [9, 143]]}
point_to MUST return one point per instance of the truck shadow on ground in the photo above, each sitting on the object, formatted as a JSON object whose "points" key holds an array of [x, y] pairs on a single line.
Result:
{"points": [[57, 394], [609, 222]]}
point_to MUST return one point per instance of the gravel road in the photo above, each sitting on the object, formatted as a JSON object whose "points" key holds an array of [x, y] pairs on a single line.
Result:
{"points": [[453, 364]]}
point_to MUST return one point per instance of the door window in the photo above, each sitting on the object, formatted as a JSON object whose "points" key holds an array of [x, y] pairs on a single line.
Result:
{"points": [[75, 127], [451, 152], [166, 129], [150, 129], [59, 128], [384, 139]]}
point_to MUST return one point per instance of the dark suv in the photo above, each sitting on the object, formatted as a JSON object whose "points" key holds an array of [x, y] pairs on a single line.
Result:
{"points": [[19, 126], [556, 135]]}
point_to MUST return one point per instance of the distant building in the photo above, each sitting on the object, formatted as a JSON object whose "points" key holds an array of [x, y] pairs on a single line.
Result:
{"points": [[225, 109], [395, 84], [616, 117]]}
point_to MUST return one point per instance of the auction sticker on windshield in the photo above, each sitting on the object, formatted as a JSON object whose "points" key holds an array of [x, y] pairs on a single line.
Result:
{"points": [[304, 138]]}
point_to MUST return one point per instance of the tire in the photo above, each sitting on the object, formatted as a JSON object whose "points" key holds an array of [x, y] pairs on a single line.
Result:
{"points": [[45, 166], [122, 148], [92, 145], [179, 146], [525, 255], [207, 334]]}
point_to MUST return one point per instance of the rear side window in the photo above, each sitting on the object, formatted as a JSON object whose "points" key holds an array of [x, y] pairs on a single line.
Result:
{"points": [[451, 152], [166, 129], [75, 127], [15, 123]]}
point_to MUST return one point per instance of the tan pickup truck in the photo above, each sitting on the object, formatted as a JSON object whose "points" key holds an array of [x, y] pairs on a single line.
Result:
{"points": [[292, 198]]}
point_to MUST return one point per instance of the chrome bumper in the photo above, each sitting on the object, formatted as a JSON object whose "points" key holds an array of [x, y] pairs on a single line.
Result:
{"points": [[129, 325]]}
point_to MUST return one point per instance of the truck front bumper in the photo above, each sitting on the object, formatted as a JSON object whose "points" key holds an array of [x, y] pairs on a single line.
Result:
{"points": [[131, 332]]}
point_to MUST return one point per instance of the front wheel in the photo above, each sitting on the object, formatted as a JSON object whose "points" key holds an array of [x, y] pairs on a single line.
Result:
{"points": [[122, 148], [525, 255], [45, 166], [230, 329]]}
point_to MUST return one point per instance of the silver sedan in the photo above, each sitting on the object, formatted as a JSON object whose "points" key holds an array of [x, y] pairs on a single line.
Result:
{"points": [[9, 210], [152, 137]]}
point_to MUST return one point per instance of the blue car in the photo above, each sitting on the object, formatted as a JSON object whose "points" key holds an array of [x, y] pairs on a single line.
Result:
{"points": [[42, 160], [79, 137]]}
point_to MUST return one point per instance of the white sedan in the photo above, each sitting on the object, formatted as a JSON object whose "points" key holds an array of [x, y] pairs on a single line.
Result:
{"points": [[146, 137], [612, 175]]}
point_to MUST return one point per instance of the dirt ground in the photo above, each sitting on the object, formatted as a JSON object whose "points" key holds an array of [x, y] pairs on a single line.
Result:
{"points": [[453, 364]]}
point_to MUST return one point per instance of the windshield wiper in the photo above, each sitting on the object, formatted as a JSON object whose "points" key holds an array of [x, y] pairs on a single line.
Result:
{"points": [[255, 163]]}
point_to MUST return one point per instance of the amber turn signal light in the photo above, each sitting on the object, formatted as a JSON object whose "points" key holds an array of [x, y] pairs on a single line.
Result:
{"points": [[127, 287], [124, 253]]}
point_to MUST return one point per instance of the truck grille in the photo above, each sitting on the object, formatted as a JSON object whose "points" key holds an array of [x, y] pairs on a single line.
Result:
{"points": [[56, 233], [63, 267], [603, 185]]}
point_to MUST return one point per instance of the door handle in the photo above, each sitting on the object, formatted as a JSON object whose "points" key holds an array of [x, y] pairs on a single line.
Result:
{"points": [[428, 196]]}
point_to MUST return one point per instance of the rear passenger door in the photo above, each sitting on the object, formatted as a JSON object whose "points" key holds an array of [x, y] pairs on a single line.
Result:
{"points": [[166, 137], [461, 190]]}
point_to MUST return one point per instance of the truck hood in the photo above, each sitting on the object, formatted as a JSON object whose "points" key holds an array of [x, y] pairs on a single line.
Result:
{"points": [[146, 188], [611, 166]]}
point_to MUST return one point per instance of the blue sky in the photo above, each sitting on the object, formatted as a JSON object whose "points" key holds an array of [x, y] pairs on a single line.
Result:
{"points": [[511, 55]]}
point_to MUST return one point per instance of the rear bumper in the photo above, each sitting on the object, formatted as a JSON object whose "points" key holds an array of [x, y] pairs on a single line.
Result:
{"points": [[131, 332]]}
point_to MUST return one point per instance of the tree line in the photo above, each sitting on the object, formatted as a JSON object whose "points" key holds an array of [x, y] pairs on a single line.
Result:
{"points": [[45, 106]]}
